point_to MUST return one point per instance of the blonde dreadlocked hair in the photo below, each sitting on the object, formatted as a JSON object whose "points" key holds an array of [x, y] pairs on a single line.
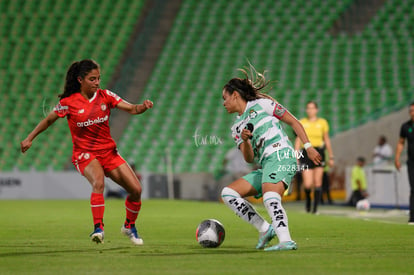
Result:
{"points": [[253, 86]]}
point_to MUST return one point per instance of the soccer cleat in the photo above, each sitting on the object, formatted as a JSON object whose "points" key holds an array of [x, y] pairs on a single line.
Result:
{"points": [[97, 235], [132, 234], [265, 237], [289, 245]]}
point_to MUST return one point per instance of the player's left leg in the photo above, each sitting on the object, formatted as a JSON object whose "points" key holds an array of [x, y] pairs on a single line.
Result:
{"points": [[272, 200], [125, 177], [277, 175]]}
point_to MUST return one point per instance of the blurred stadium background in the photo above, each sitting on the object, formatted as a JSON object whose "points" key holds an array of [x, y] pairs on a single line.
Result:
{"points": [[354, 57]]}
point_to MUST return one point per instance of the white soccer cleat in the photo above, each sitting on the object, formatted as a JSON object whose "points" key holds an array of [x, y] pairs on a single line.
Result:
{"points": [[97, 235], [132, 234]]}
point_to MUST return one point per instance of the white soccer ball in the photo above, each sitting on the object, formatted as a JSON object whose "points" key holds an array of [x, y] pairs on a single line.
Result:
{"points": [[363, 205], [210, 233]]}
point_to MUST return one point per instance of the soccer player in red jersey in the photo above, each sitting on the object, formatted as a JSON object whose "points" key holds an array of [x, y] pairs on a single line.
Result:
{"points": [[87, 110]]}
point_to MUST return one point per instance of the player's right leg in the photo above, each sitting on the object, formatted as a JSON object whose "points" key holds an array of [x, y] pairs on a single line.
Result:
{"points": [[233, 196], [94, 173]]}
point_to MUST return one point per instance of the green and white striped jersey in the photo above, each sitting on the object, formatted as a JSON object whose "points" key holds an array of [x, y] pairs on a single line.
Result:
{"points": [[262, 117]]}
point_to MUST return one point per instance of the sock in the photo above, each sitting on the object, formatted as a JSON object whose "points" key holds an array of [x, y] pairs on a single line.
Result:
{"points": [[132, 210], [98, 208], [308, 199], [317, 196], [243, 209], [273, 204]]}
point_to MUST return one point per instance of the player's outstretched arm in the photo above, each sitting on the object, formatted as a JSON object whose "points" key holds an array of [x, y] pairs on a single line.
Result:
{"points": [[135, 109], [42, 126], [289, 119]]}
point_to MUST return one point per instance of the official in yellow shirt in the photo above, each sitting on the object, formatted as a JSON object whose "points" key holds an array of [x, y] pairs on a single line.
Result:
{"points": [[317, 130], [358, 182]]}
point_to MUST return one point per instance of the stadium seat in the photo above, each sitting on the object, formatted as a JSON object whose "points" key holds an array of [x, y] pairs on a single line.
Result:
{"points": [[39, 40], [208, 41]]}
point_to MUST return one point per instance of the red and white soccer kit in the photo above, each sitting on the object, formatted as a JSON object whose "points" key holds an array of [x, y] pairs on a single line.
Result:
{"points": [[89, 126]]}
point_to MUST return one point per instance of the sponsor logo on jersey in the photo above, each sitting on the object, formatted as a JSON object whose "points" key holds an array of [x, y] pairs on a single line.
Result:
{"points": [[91, 122], [60, 108], [276, 145]]}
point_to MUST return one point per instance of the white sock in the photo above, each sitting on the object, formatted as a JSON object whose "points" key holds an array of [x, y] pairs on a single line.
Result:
{"points": [[273, 204], [243, 209]]}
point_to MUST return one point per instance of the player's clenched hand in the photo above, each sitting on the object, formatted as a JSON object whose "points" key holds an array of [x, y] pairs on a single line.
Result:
{"points": [[314, 156], [246, 134], [25, 145], [147, 104]]}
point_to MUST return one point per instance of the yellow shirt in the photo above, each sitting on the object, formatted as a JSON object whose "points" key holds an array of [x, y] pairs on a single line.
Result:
{"points": [[358, 173], [315, 130]]}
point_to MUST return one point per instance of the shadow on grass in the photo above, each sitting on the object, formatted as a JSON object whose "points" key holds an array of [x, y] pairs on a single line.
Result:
{"points": [[51, 252], [143, 251]]}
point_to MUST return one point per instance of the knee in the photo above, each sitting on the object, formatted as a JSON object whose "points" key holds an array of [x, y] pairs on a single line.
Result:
{"points": [[228, 193], [98, 184], [135, 193]]}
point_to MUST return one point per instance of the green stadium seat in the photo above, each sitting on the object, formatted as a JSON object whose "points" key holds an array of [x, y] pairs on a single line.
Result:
{"points": [[38, 41], [297, 49]]}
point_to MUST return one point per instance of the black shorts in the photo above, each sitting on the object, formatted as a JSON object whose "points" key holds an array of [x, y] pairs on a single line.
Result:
{"points": [[306, 163]]}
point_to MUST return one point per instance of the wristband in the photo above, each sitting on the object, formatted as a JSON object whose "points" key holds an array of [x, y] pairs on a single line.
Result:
{"points": [[307, 145]]}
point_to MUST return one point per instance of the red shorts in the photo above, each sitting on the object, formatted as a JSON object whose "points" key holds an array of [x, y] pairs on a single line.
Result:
{"points": [[109, 159]]}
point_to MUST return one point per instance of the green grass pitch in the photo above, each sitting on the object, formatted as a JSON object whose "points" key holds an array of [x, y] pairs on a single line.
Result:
{"points": [[51, 237]]}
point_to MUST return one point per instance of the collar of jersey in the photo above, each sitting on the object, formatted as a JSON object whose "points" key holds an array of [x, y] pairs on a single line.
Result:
{"points": [[91, 99], [245, 109]]}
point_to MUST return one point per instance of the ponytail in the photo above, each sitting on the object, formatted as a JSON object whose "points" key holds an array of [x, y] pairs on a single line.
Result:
{"points": [[253, 86], [77, 69]]}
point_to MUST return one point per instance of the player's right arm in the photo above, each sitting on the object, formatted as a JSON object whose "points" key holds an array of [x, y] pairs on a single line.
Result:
{"points": [[42, 126], [246, 146]]}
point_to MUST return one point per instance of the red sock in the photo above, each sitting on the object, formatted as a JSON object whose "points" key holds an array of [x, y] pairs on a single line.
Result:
{"points": [[98, 208], [132, 210]]}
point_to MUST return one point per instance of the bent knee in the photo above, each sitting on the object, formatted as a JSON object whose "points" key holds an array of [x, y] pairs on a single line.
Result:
{"points": [[135, 193], [228, 192]]}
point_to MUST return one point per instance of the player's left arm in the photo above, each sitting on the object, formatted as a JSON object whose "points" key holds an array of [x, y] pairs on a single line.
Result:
{"points": [[135, 109], [292, 121]]}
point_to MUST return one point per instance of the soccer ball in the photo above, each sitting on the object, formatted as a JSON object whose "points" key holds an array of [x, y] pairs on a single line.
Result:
{"points": [[210, 233], [363, 205]]}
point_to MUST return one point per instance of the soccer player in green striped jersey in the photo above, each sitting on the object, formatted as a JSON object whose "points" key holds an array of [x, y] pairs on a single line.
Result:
{"points": [[261, 138]]}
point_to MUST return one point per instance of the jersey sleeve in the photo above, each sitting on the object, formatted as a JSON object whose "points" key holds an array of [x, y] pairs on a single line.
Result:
{"points": [[61, 109], [325, 126], [273, 108], [113, 98]]}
